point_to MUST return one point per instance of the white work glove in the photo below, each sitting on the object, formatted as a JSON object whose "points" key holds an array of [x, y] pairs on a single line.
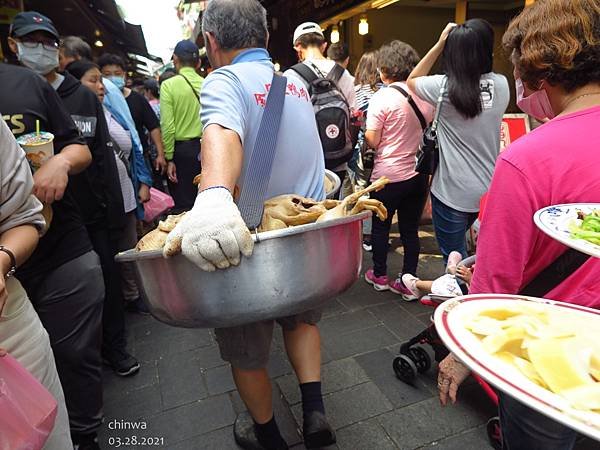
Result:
{"points": [[213, 234]]}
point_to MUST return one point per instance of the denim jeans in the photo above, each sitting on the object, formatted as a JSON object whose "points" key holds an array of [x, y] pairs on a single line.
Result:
{"points": [[450, 227], [526, 429]]}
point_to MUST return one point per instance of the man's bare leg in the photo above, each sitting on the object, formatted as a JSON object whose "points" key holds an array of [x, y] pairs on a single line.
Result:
{"points": [[254, 387], [303, 346]]}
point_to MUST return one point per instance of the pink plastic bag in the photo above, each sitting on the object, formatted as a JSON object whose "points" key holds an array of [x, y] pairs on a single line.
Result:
{"points": [[27, 409], [159, 203]]}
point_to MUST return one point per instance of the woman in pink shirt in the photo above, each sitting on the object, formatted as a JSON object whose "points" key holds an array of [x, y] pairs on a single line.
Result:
{"points": [[555, 47], [395, 122]]}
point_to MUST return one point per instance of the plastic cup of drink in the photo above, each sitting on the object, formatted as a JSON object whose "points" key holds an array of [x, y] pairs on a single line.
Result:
{"points": [[39, 148]]}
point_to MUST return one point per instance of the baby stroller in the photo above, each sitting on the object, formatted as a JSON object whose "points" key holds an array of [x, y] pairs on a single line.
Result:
{"points": [[414, 359]]}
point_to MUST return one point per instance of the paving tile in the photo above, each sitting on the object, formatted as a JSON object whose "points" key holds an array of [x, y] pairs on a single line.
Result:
{"points": [[367, 435], [219, 380], [279, 365], [362, 295], [475, 439], [168, 340], [221, 439], [182, 380], [334, 307], [352, 405], [336, 375], [361, 341], [378, 367], [132, 405], [425, 422], [398, 320], [208, 357], [345, 323], [115, 386], [194, 419]]}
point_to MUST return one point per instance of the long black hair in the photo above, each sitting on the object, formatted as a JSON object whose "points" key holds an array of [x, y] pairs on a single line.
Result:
{"points": [[468, 54]]}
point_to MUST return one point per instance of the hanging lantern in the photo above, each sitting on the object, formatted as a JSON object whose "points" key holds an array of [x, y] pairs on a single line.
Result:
{"points": [[335, 34], [363, 26]]}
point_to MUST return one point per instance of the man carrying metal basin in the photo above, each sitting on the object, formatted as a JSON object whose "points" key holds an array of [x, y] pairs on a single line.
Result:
{"points": [[214, 235]]}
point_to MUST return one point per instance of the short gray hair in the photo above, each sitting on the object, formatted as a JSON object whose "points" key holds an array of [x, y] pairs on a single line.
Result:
{"points": [[74, 46], [236, 24]]}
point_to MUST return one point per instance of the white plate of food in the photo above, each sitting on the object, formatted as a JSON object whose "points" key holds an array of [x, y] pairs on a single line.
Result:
{"points": [[577, 225], [543, 353]]}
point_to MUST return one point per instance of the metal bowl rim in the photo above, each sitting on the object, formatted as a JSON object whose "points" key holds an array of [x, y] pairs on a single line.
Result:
{"points": [[133, 255]]}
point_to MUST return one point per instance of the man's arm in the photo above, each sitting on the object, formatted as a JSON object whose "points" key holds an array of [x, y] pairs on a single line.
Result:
{"points": [[160, 162], [222, 157]]}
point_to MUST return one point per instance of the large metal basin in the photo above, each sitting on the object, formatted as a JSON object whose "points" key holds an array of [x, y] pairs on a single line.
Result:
{"points": [[291, 271]]}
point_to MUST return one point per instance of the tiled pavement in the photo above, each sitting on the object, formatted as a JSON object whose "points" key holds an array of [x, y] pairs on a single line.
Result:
{"points": [[185, 397]]}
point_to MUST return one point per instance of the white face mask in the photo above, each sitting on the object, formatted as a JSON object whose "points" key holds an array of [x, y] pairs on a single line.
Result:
{"points": [[38, 59]]}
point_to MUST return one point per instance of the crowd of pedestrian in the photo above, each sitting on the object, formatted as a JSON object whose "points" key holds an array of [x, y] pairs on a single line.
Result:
{"points": [[62, 314]]}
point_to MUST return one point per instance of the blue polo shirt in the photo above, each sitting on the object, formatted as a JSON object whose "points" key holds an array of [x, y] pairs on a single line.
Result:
{"points": [[234, 97]]}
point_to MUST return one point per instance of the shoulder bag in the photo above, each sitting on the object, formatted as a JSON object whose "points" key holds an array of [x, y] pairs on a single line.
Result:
{"points": [[196, 94], [428, 155]]}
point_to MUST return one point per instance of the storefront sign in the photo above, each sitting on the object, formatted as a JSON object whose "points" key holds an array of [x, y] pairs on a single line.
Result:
{"points": [[513, 127]]}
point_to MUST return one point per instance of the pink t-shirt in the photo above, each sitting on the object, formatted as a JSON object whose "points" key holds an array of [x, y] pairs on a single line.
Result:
{"points": [[401, 132], [556, 163]]}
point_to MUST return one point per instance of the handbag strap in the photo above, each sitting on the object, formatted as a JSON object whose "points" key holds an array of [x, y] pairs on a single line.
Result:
{"points": [[557, 272], [413, 104], [258, 174], [438, 107], [192, 87]]}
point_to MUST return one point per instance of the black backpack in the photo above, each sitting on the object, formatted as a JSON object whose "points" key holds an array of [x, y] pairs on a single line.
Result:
{"points": [[332, 113]]}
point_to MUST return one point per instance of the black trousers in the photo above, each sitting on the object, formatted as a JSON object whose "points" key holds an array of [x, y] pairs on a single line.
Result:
{"points": [[407, 198], [69, 301], [186, 159], [113, 316]]}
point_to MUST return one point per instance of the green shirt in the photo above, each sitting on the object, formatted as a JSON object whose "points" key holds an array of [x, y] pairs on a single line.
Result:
{"points": [[180, 109]]}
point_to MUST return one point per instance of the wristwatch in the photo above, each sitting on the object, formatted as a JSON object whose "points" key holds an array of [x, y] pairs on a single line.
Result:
{"points": [[13, 261]]}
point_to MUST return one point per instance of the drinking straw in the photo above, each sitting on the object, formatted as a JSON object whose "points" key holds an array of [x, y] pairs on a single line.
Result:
{"points": [[37, 127]]}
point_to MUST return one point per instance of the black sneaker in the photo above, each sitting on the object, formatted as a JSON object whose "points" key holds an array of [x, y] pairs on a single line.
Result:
{"points": [[85, 441], [122, 363], [367, 246]]}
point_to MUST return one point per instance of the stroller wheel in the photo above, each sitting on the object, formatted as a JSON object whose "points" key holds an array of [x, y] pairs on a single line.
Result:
{"points": [[405, 369], [421, 358], [494, 433]]}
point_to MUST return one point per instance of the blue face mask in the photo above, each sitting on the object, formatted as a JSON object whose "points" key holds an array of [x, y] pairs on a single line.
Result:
{"points": [[117, 81]]}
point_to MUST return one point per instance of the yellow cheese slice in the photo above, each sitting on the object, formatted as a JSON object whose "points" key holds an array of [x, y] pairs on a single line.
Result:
{"points": [[583, 397], [558, 363], [511, 337]]}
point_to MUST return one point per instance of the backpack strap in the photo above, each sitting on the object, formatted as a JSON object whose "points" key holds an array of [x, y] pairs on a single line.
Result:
{"points": [[336, 73], [557, 272], [305, 72], [412, 103]]}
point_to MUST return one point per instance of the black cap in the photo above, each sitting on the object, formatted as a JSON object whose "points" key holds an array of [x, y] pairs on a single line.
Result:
{"points": [[186, 49], [30, 21]]}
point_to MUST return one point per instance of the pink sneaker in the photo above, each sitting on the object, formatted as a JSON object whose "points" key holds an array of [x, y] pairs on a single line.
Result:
{"points": [[378, 283], [410, 282], [453, 259], [398, 287]]}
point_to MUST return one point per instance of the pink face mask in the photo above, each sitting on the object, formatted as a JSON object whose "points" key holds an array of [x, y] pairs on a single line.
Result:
{"points": [[536, 104]]}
